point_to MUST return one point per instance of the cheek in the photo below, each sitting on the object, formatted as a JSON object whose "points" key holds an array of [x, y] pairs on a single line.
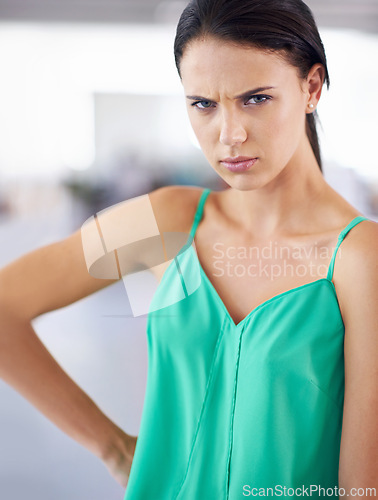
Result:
{"points": [[285, 127]]}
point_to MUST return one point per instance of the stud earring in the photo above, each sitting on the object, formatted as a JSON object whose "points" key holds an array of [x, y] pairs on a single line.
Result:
{"points": [[311, 106]]}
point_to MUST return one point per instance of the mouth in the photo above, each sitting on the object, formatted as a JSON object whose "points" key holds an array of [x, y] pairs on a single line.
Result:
{"points": [[238, 163]]}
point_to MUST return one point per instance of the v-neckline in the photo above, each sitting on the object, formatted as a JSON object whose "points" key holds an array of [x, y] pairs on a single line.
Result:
{"points": [[197, 219], [262, 304]]}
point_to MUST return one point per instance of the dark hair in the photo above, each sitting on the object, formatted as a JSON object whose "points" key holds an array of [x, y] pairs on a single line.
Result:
{"points": [[283, 25]]}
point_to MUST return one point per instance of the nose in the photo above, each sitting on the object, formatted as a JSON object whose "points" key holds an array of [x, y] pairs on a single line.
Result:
{"points": [[232, 130]]}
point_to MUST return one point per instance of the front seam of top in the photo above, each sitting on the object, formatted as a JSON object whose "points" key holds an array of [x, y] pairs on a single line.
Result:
{"points": [[232, 415], [203, 407]]}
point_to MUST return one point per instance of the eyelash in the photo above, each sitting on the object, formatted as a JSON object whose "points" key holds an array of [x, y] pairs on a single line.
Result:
{"points": [[266, 97]]}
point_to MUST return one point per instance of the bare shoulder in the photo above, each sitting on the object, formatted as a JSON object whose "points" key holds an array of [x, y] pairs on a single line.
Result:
{"points": [[118, 239], [356, 269], [359, 246], [174, 206]]}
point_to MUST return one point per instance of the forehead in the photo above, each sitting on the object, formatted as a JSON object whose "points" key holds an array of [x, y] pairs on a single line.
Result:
{"points": [[217, 64]]}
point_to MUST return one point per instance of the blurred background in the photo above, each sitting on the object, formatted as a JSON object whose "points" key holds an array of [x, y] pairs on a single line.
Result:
{"points": [[92, 113]]}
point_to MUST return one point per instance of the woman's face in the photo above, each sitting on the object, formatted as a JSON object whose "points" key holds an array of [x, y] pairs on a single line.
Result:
{"points": [[245, 102]]}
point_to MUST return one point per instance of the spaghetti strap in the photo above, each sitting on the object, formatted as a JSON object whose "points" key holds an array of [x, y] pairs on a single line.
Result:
{"points": [[341, 237], [199, 210]]}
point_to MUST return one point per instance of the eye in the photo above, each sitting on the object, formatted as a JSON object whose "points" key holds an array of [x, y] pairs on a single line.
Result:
{"points": [[258, 99], [202, 104]]}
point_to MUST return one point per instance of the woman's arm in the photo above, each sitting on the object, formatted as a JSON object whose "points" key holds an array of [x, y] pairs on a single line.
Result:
{"points": [[49, 278], [358, 298], [55, 276]]}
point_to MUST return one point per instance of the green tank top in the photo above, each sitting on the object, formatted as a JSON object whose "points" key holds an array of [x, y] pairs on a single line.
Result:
{"points": [[231, 407]]}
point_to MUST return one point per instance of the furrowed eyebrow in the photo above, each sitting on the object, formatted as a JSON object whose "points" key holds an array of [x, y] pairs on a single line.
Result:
{"points": [[241, 96], [197, 98], [254, 91]]}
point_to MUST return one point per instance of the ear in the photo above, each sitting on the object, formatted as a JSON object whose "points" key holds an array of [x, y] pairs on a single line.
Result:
{"points": [[314, 85]]}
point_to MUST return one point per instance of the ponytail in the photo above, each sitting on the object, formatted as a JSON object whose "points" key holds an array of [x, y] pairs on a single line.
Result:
{"points": [[312, 135]]}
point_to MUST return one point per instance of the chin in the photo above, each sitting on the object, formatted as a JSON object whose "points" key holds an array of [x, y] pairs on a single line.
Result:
{"points": [[241, 184], [244, 182]]}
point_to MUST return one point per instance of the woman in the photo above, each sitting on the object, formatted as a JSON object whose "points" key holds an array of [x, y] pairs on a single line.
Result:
{"points": [[263, 374]]}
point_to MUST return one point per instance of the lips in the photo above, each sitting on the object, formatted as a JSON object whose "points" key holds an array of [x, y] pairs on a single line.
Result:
{"points": [[239, 163], [238, 159]]}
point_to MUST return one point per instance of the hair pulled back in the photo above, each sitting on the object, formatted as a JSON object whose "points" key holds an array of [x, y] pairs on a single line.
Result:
{"points": [[283, 25]]}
